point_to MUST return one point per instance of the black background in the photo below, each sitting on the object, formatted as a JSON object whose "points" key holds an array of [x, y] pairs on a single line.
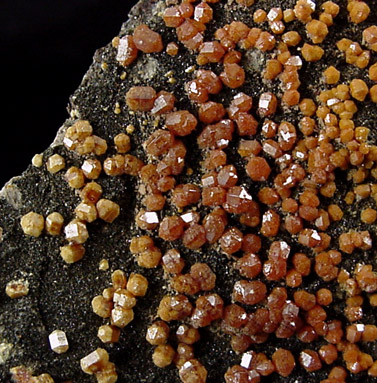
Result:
{"points": [[46, 48]]}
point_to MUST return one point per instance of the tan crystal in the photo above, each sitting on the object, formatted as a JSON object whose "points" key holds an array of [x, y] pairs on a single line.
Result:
{"points": [[75, 177], [312, 52], [79, 130], [114, 166], [37, 160], [92, 168], [137, 285], [100, 146], [54, 223], [317, 31], [187, 335], [85, 146], [58, 341], [149, 258], [43, 378], [72, 253], [107, 210], [108, 293], [91, 192], [147, 220], [172, 262], [103, 265], [76, 232], [101, 306], [32, 224], [86, 212], [121, 317], [95, 361], [157, 333], [193, 372], [163, 355], [185, 352], [108, 334], [55, 163], [119, 279], [21, 372], [124, 298], [172, 49], [108, 374], [122, 143], [132, 165], [17, 289], [174, 308]]}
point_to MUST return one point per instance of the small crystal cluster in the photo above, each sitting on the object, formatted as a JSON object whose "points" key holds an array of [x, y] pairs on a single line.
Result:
{"points": [[117, 303], [190, 369], [97, 363], [33, 224], [80, 138], [22, 374]]}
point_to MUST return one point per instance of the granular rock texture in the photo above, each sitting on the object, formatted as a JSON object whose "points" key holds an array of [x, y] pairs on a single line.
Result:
{"points": [[207, 212]]}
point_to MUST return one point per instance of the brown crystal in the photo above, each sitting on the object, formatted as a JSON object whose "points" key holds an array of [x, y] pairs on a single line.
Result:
{"points": [[231, 240], [163, 103], [174, 308], [141, 98], [173, 262], [210, 52], [249, 293], [193, 372], [267, 104], [233, 76], [258, 169], [172, 17], [157, 333], [147, 40], [194, 237], [211, 112], [209, 80], [127, 51], [171, 228], [181, 123], [159, 142], [284, 362], [249, 265], [107, 210], [214, 226]]}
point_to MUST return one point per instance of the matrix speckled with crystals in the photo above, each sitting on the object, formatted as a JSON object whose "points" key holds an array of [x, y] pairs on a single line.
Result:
{"points": [[207, 213]]}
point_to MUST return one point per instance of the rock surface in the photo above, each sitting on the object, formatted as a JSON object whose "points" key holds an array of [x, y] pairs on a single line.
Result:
{"points": [[60, 294]]}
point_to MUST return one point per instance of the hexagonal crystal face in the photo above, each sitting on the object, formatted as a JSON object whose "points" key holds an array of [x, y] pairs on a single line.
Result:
{"points": [[76, 232], [58, 341]]}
